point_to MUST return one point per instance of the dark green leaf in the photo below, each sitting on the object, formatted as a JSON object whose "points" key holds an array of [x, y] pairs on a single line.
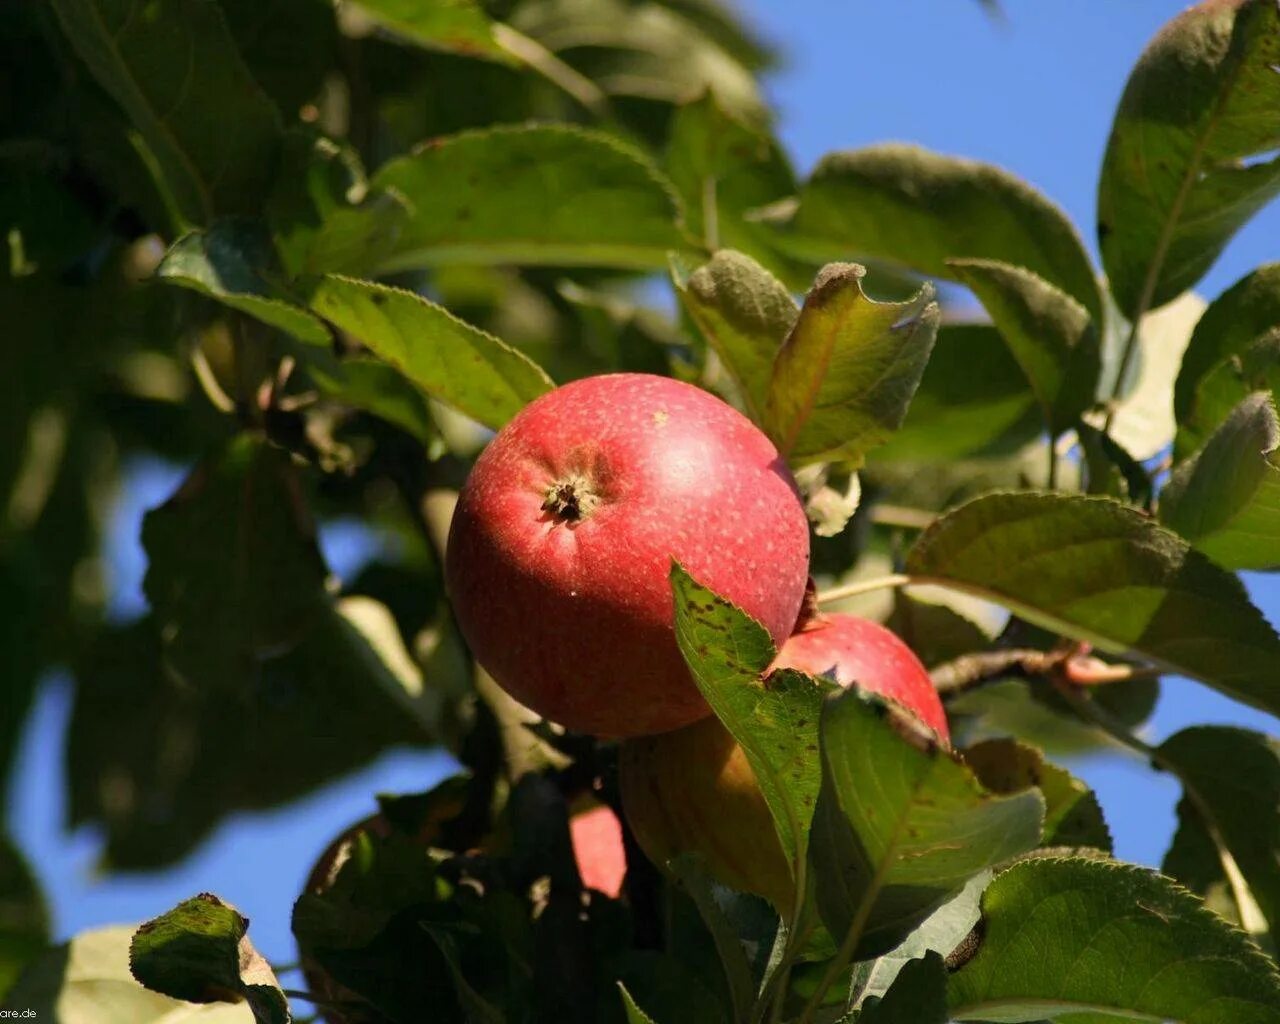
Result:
{"points": [[845, 375], [444, 356], [24, 921], [273, 744], [972, 399], [87, 981], [901, 823], [1177, 183], [535, 195], [323, 215], [916, 208], [233, 263], [1225, 499], [776, 722], [1095, 570], [917, 996], [289, 46], [1110, 942], [699, 885], [1223, 388], [1232, 783], [174, 69], [665, 990], [234, 572], [745, 313], [1048, 331], [1112, 470], [635, 1015], [199, 951], [1073, 816], [936, 632], [1232, 323], [722, 167], [455, 26]]}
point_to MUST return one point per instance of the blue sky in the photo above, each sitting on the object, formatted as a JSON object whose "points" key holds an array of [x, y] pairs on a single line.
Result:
{"points": [[1034, 93]]}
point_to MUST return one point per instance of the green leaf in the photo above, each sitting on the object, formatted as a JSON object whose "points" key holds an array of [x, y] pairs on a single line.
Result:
{"points": [[745, 313], [199, 952], [1108, 941], [635, 1015], [845, 375], [722, 167], [646, 54], [973, 399], [323, 215], [533, 195], [1233, 322], [901, 823], [1092, 569], [1231, 779], [1073, 816], [1222, 389], [24, 921], [1049, 333], [916, 208], [454, 26], [1177, 181], [87, 981], [203, 120], [917, 996], [444, 356], [233, 263], [377, 388], [943, 931], [1226, 498], [775, 721], [234, 572]]}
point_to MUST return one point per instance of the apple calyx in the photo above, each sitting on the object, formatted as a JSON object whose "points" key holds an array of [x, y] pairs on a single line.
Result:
{"points": [[571, 499]]}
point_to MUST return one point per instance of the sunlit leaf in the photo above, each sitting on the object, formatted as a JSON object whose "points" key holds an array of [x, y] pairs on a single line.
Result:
{"points": [[1179, 178], [1108, 941], [1225, 499], [846, 373], [917, 208], [1096, 570], [444, 356], [545, 194]]}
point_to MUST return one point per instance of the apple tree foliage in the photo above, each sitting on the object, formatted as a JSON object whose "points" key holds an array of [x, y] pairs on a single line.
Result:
{"points": [[315, 254]]}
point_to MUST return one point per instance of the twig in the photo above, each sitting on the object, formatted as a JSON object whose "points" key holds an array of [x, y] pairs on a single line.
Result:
{"points": [[901, 515], [553, 69], [972, 670], [896, 579]]}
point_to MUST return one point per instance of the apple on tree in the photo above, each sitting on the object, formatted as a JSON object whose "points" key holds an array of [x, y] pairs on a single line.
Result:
{"points": [[565, 531], [694, 791]]}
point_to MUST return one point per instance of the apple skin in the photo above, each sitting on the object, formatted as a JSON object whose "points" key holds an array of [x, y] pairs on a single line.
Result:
{"points": [[561, 546], [694, 791]]}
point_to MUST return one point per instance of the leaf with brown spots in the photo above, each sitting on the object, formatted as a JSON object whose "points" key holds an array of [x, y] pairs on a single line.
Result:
{"points": [[775, 721]]}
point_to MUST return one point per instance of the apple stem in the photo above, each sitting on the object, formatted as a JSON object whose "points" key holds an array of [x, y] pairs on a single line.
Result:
{"points": [[897, 579]]}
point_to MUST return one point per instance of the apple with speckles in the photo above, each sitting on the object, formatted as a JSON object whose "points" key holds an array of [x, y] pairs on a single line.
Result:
{"points": [[693, 790], [564, 534]]}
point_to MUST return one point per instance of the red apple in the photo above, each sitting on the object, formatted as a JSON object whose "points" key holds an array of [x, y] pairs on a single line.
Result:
{"points": [[694, 791], [564, 534], [597, 847]]}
